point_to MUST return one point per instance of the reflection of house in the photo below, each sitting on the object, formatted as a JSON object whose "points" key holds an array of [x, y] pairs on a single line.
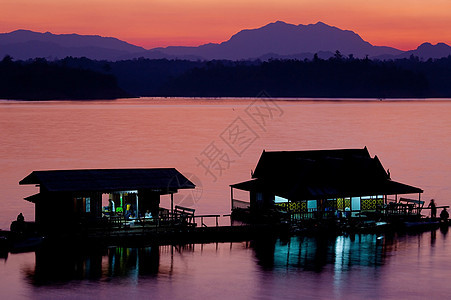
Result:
{"points": [[322, 182], [64, 263], [316, 253], [70, 197]]}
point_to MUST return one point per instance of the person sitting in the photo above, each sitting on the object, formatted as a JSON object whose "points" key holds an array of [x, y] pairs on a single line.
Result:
{"points": [[444, 215], [148, 214], [20, 218], [433, 208], [19, 225]]}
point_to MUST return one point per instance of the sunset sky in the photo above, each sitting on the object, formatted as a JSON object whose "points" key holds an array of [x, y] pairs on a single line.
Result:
{"points": [[403, 24]]}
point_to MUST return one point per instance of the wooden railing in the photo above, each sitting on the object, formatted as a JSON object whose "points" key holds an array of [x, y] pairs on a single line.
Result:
{"points": [[201, 217], [240, 204], [181, 216]]}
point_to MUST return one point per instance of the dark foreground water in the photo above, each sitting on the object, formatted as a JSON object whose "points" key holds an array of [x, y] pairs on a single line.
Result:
{"points": [[353, 267], [412, 139]]}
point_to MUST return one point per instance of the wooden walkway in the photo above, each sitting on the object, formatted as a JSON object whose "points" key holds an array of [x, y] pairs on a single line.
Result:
{"points": [[174, 234]]}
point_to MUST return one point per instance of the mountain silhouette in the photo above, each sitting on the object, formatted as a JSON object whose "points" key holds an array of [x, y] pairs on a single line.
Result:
{"points": [[283, 39], [277, 40], [427, 50], [25, 44]]}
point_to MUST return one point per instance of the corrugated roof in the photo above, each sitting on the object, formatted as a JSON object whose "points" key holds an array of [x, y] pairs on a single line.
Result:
{"points": [[323, 174], [108, 179]]}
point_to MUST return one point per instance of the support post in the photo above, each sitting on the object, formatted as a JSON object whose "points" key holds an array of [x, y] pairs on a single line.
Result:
{"points": [[419, 204], [350, 204], [231, 198], [172, 206], [137, 206]]}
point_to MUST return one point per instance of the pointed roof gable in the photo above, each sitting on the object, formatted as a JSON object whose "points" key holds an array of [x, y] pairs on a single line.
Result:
{"points": [[323, 173]]}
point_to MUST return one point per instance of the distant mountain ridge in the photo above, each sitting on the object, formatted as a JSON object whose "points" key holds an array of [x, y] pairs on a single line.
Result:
{"points": [[283, 39], [68, 40], [274, 40], [25, 44], [427, 50]]}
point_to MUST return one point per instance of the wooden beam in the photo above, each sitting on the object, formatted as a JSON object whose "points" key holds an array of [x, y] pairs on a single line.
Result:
{"points": [[172, 205], [231, 198]]}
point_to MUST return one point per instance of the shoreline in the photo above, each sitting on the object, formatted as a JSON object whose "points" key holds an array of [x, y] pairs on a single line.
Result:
{"points": [[287, 99]]}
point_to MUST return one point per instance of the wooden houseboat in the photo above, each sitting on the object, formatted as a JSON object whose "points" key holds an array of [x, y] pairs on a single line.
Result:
{"points": [[70, 200], [323, 184]]}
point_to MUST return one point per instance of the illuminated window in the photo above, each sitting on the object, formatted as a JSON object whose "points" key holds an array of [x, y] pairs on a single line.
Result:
{"points": [[278, 199], [311, 205], [355, 204], [88, 204]]}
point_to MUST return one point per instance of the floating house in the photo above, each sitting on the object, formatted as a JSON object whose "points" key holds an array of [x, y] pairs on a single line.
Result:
{"points": [[325, 183], [70, 198]]}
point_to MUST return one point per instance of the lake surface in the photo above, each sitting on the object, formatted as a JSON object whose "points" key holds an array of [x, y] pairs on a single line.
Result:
{"points": [[217, 142]]}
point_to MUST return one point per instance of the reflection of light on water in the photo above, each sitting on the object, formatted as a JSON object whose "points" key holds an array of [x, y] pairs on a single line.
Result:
{"points": [[341, 248], [315, 254], [296, 253], [364, 251], [341, 255], [134, 273], [282, 253]]}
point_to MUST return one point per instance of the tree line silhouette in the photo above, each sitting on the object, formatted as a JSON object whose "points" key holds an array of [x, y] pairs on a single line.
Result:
{"points": [[338, 77], [39, 79]]}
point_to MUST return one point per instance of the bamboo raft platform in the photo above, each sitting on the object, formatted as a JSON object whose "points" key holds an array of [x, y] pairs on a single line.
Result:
{"points": [[177, 235], [122, 232], [184, 227], [174, 233]]}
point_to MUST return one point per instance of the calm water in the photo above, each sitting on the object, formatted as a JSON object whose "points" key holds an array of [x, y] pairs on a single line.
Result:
{"points": [[410, 138]]}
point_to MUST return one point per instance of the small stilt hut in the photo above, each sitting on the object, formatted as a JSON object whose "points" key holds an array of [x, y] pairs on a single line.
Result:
{"points": [[70, 198]]}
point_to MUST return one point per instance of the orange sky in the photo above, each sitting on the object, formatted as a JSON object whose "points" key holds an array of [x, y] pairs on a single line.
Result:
{"points": [[403, 24]]}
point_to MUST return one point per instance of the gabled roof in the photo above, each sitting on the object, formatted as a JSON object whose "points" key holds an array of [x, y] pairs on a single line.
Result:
{"points": [[323, 174], [322, 163], [164, 179]]}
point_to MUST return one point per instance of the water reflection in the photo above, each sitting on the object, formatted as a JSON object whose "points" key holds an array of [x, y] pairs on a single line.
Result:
{"points": [[337, 256], [314, 253], [444, 230], [60, 265]]}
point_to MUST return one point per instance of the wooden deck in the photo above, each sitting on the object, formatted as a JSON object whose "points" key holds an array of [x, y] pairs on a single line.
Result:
{"points": [[152, 234]]}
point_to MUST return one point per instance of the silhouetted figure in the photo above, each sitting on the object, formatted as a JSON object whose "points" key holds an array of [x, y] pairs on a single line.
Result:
{"points": [[20, 218], [433, 208], [18, 226], [444, 215], [388, 174]]}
